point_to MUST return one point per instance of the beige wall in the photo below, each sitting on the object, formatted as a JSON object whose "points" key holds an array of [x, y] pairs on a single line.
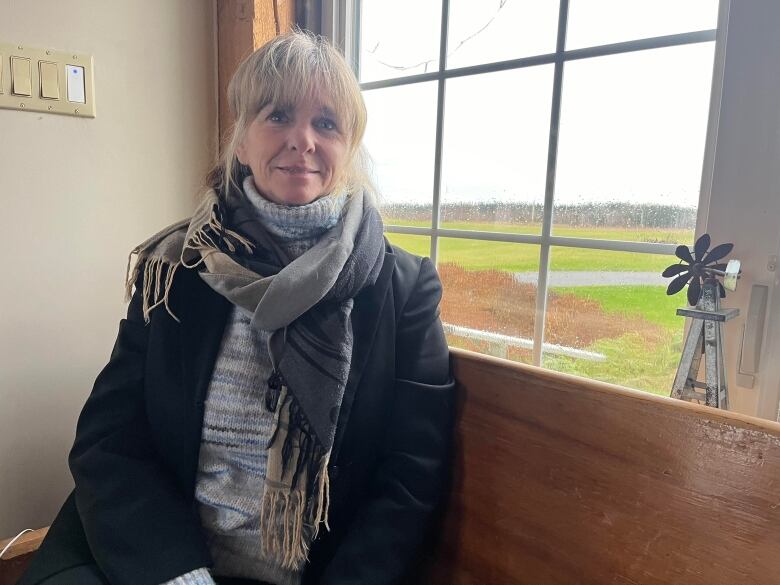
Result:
{"points": [[75, 196]]}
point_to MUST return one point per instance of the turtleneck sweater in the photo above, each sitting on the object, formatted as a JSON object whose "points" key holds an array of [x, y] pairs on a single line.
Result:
{"points": [[236, 426]]}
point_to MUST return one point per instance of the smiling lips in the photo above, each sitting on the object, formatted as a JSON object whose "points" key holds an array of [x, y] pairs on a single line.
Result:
{"points": [[298, 171]]}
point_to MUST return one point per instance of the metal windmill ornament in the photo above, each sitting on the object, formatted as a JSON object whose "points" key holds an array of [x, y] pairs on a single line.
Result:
{"points": [[702, 272]]}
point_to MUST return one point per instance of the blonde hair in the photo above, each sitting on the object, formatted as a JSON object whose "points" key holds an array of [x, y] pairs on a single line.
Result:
{"points": [[284, 71]]}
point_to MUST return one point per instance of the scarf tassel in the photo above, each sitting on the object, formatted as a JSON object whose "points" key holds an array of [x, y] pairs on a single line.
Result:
{"points": [[158, 273], [289, 523], [295, 501], [276, 393], [202, 239], [157, 282]]}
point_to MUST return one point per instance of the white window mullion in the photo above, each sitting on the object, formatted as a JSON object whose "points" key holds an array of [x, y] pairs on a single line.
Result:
{"points": [[549, 190], [436, 211]]}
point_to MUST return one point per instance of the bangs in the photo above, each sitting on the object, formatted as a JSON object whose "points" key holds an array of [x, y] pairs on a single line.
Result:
{"points": [[287, 74], [288, 89]]}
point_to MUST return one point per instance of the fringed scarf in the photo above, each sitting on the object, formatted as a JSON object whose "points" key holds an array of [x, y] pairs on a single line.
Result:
{"points": [[306, 304]]}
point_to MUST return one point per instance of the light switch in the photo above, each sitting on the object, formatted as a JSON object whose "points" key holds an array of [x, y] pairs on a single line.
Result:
{"points": [[50, 83], [46, 80], [75, 77], [21, 83]]}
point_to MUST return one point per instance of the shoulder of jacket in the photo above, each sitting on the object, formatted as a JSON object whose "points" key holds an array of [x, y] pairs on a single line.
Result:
{"points": [[406, 273], [407, 266]]}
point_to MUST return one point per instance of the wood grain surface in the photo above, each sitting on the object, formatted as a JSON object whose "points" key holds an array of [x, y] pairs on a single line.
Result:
{"points": [[15, 559], [560, 480]]}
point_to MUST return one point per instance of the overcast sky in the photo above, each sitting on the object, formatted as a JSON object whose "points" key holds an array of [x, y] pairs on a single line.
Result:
{"points": [[632, 126]]}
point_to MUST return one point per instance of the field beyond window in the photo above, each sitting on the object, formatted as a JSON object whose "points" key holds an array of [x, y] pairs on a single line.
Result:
{"points": [[608, 315]]}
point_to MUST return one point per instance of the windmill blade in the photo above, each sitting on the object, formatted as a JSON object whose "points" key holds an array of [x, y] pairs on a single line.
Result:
{"points": [[718, 267], [684, 253], [675, 269], [694, 291], [717, 253], [700, 248], [677, 284]]}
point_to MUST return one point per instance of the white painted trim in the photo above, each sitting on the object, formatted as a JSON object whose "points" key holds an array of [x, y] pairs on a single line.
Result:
{"points": [[563, 241], [744, 188], [716, 94], [507, 341]]}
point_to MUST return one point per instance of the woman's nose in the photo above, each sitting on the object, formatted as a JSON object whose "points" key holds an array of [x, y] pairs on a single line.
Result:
{"points": [[301, 138]]}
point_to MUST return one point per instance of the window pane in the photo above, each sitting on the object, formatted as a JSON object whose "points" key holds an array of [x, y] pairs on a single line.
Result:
{"points": [[498, 30], [613, 307], [631, 148], [419, 245], [496, 131], [400, 137], [601, 22], [485, 307], [398, 38]]}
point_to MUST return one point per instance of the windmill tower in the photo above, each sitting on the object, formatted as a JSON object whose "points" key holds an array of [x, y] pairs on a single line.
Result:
{"points": [[702, 272]]}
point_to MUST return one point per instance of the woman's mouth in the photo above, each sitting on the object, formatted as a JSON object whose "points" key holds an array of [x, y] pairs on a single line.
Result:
{"points": [[297, 171]]}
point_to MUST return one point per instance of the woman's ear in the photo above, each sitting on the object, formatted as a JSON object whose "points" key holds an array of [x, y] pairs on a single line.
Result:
{"points": [[240, 152]]}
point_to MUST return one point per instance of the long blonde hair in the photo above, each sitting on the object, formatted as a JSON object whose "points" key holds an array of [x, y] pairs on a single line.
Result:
{"points": [[283, 71]]}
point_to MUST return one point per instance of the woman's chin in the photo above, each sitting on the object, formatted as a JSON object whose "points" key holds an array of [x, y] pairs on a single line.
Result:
{"points": [[287, 195], [302, 198]]}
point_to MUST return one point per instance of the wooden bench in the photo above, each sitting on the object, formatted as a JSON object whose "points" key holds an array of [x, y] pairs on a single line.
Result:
{"points": [[15, 559], [564, 481]]}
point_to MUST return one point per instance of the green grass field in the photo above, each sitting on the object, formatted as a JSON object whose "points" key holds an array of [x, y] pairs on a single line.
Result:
{"points": [[647, 302], [630, 362], [635, 358]]}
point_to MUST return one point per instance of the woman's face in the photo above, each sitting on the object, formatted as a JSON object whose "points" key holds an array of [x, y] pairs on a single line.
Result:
{"points": [[296, 153]]}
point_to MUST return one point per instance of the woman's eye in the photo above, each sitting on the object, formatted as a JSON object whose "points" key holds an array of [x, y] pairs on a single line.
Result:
{"points": [[277, 116], [325, 124]]}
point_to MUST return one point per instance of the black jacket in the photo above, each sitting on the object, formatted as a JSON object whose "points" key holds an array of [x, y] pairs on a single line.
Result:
{"points": [[135, 456]]}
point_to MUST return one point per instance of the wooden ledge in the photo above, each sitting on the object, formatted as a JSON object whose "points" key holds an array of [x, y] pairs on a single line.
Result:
{"points": [[570, 383], [27, 543]]}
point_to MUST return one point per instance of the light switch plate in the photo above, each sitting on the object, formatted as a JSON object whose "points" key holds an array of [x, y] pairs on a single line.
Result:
{"points": [[84, 104]]}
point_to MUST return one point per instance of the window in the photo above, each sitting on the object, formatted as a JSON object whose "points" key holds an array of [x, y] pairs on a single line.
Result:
{"points": [[548, 157]]}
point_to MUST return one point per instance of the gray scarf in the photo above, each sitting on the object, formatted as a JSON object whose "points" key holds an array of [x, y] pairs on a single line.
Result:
{"points": [[307, 304]]}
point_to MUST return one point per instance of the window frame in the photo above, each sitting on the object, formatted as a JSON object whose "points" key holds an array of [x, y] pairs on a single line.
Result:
{"points": [[341, 23]]}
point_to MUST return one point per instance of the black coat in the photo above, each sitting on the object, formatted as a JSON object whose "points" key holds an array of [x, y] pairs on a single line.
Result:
{"points": [[135, 456]]}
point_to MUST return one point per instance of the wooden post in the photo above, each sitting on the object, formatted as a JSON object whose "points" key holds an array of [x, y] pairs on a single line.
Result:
{"points": [[243, 26]]}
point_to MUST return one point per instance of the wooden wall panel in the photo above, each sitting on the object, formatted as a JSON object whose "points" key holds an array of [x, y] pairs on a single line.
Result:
{"points": [[243, 26], [564, 481]]}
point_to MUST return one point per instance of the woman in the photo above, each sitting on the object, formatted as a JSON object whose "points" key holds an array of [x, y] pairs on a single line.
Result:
{"points": [[278, 405]]}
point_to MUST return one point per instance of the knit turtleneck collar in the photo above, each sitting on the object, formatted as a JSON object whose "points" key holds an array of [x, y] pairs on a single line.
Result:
{"points": [[300, 223]]}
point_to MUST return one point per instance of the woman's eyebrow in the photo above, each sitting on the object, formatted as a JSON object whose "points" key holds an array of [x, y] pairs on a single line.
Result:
{"points": [[276, 106], [326, 111]]}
